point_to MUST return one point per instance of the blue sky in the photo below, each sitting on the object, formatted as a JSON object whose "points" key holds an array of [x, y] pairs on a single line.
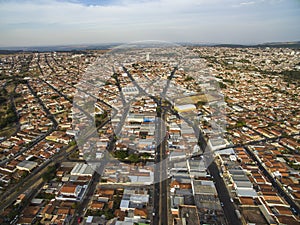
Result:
{"points": [[48, 22]]}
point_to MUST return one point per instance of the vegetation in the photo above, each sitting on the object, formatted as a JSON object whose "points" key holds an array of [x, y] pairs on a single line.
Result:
{"points": [[106, 212], [99, 118], [229, 81], [72, 143], [200, 103], [244, 61], [121, 154], [74, 155], [291, 75], [222, 85], [158, 110], [50, 173], [240, 123], [7, 117], [145, 155], [45, 195], [188, 78], [134, 158]]}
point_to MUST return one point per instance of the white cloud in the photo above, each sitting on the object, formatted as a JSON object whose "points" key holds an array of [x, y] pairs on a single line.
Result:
{"points": [[247, 3], [69, 12], [64, 22]]}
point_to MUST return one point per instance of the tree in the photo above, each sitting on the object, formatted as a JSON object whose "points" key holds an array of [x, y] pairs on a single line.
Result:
{"points": [[188, 78], [50, 173], [121, 154], [222, 85], [200, 103], [134, 158], [240, 123]]}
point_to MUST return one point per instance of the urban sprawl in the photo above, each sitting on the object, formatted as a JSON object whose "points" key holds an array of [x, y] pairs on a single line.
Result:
{"points": [[210, 137]]}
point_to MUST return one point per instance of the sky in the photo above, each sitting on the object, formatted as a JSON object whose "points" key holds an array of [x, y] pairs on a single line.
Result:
{"points": [[70, 22]]}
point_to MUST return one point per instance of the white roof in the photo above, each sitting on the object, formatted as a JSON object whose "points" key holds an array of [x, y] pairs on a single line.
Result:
{"points": [[185, 107], [207, 183], [246, 192], [227, 151], [124, 204], [27, 165], [232, 157], [139, 198], [89, 219], [37, 201], [177, 155], [82, 169], [124, 223], [141, 179]]}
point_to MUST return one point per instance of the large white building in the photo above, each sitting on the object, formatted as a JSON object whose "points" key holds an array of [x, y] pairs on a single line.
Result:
{"points": [[27, 165], [81, 169], [185, 108]]}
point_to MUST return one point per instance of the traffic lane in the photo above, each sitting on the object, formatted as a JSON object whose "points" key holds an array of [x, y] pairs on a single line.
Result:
{"points": [[228, 207], [156, 204], [275, 184], [90, 192], [164, 208], [164, 201], [32, 178]]}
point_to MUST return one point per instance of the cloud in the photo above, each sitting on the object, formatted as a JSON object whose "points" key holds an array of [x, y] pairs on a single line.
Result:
{"points": [[78, 21], [247, 3], [71, 13]]}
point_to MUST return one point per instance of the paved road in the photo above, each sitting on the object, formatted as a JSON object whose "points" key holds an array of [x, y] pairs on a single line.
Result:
{"points": [[275, 183], [224, 196], [161, 188], [42, 136], [32, 178], [89, 194]]}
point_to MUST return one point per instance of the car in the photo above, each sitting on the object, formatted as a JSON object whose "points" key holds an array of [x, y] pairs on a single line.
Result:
{"points": [[79, 220], [222, 204], [231, 199], [294, 211]]}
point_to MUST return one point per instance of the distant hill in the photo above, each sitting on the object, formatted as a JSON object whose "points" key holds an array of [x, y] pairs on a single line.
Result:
{"points": [[82, 48], [294, 44], [7, 52], [58, 48]]}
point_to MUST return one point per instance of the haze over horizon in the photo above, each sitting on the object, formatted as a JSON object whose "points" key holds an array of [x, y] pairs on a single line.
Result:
{"points": [[75, 22]]}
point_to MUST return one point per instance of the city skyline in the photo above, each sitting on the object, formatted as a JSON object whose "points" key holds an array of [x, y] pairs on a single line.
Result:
{"points": [[38, 23]]}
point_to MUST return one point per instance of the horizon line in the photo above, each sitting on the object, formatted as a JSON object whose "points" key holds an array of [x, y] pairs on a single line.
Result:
{"points": [[22, 47]]}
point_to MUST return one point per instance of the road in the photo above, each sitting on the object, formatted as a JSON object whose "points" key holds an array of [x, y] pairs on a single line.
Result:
{"points": [[275, 183], [80, 211], [161, 208], [32, 178], [42, 136], [228, 208], [161, 188]]}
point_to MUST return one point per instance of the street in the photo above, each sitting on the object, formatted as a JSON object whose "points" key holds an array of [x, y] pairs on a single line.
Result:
{"points": [[223, 195], [161, 211]]}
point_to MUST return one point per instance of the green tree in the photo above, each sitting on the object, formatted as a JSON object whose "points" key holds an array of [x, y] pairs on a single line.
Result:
{"points": [[121, 154], [50, 173], [188, 78], [134, 158]]}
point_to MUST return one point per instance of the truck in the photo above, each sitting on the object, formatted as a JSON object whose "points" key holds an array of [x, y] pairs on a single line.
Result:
{"points": [[238, 214]]}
